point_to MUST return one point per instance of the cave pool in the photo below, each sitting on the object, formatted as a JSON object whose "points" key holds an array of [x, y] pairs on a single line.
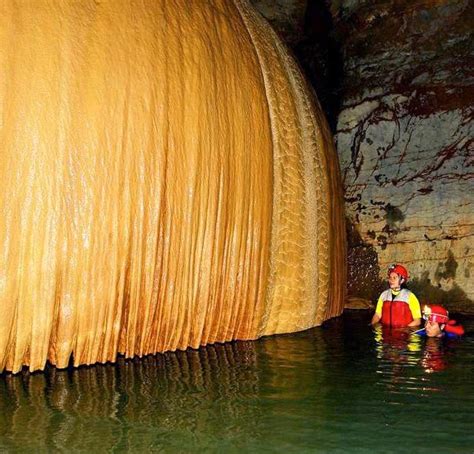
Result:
{"points": [[342, 387]]}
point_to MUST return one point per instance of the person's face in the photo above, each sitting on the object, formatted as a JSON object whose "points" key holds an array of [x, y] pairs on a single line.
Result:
{"points": [[433, 329], [394, 281]]}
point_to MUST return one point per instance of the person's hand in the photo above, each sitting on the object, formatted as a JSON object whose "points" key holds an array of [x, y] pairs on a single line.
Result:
{"points": [[375, 319]]}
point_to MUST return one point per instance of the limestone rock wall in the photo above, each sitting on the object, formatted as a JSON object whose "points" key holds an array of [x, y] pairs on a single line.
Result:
{"points": [[405, 139], [398, 78]]}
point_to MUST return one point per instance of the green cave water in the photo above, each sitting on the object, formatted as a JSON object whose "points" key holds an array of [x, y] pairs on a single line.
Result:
{"points": [[342, 387]]}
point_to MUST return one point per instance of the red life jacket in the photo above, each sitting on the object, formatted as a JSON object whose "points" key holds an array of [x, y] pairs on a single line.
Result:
{"points": [[396, 312]]}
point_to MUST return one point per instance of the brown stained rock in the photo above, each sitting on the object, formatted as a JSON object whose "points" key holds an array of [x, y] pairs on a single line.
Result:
{"points": [[355, 303]]}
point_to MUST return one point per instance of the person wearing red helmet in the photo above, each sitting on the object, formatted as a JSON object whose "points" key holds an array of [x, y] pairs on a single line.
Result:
{"points": [[438, 323], [397, 306]]}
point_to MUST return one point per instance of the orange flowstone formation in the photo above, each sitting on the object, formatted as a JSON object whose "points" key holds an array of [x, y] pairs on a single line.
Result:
{"points": [[168, 182]]}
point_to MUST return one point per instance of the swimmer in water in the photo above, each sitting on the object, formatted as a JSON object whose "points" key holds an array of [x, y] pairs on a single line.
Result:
{"points": [[438, 324]]}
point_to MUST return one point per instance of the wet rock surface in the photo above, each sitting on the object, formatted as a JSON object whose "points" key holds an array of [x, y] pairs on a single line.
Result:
{"points": [[404, 131]]}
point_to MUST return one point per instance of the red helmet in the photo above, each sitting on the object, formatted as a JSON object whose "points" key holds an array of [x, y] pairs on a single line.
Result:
{"points": [[436, 313], [399, 269]]}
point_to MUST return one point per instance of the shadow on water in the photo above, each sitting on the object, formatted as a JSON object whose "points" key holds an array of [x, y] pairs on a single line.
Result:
{"points": [[329, 388]]}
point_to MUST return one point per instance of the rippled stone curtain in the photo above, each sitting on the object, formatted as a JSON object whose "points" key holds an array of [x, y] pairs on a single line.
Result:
{"points": [[167, 182]]}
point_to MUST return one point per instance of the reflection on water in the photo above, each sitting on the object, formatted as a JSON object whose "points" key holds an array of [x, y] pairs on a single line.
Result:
{"points": [[136, 403], [403, 346], [434, 357], [327, 389]]}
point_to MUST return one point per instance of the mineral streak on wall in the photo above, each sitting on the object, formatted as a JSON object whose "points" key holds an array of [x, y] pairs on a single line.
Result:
{"points": [[168, 182]]}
